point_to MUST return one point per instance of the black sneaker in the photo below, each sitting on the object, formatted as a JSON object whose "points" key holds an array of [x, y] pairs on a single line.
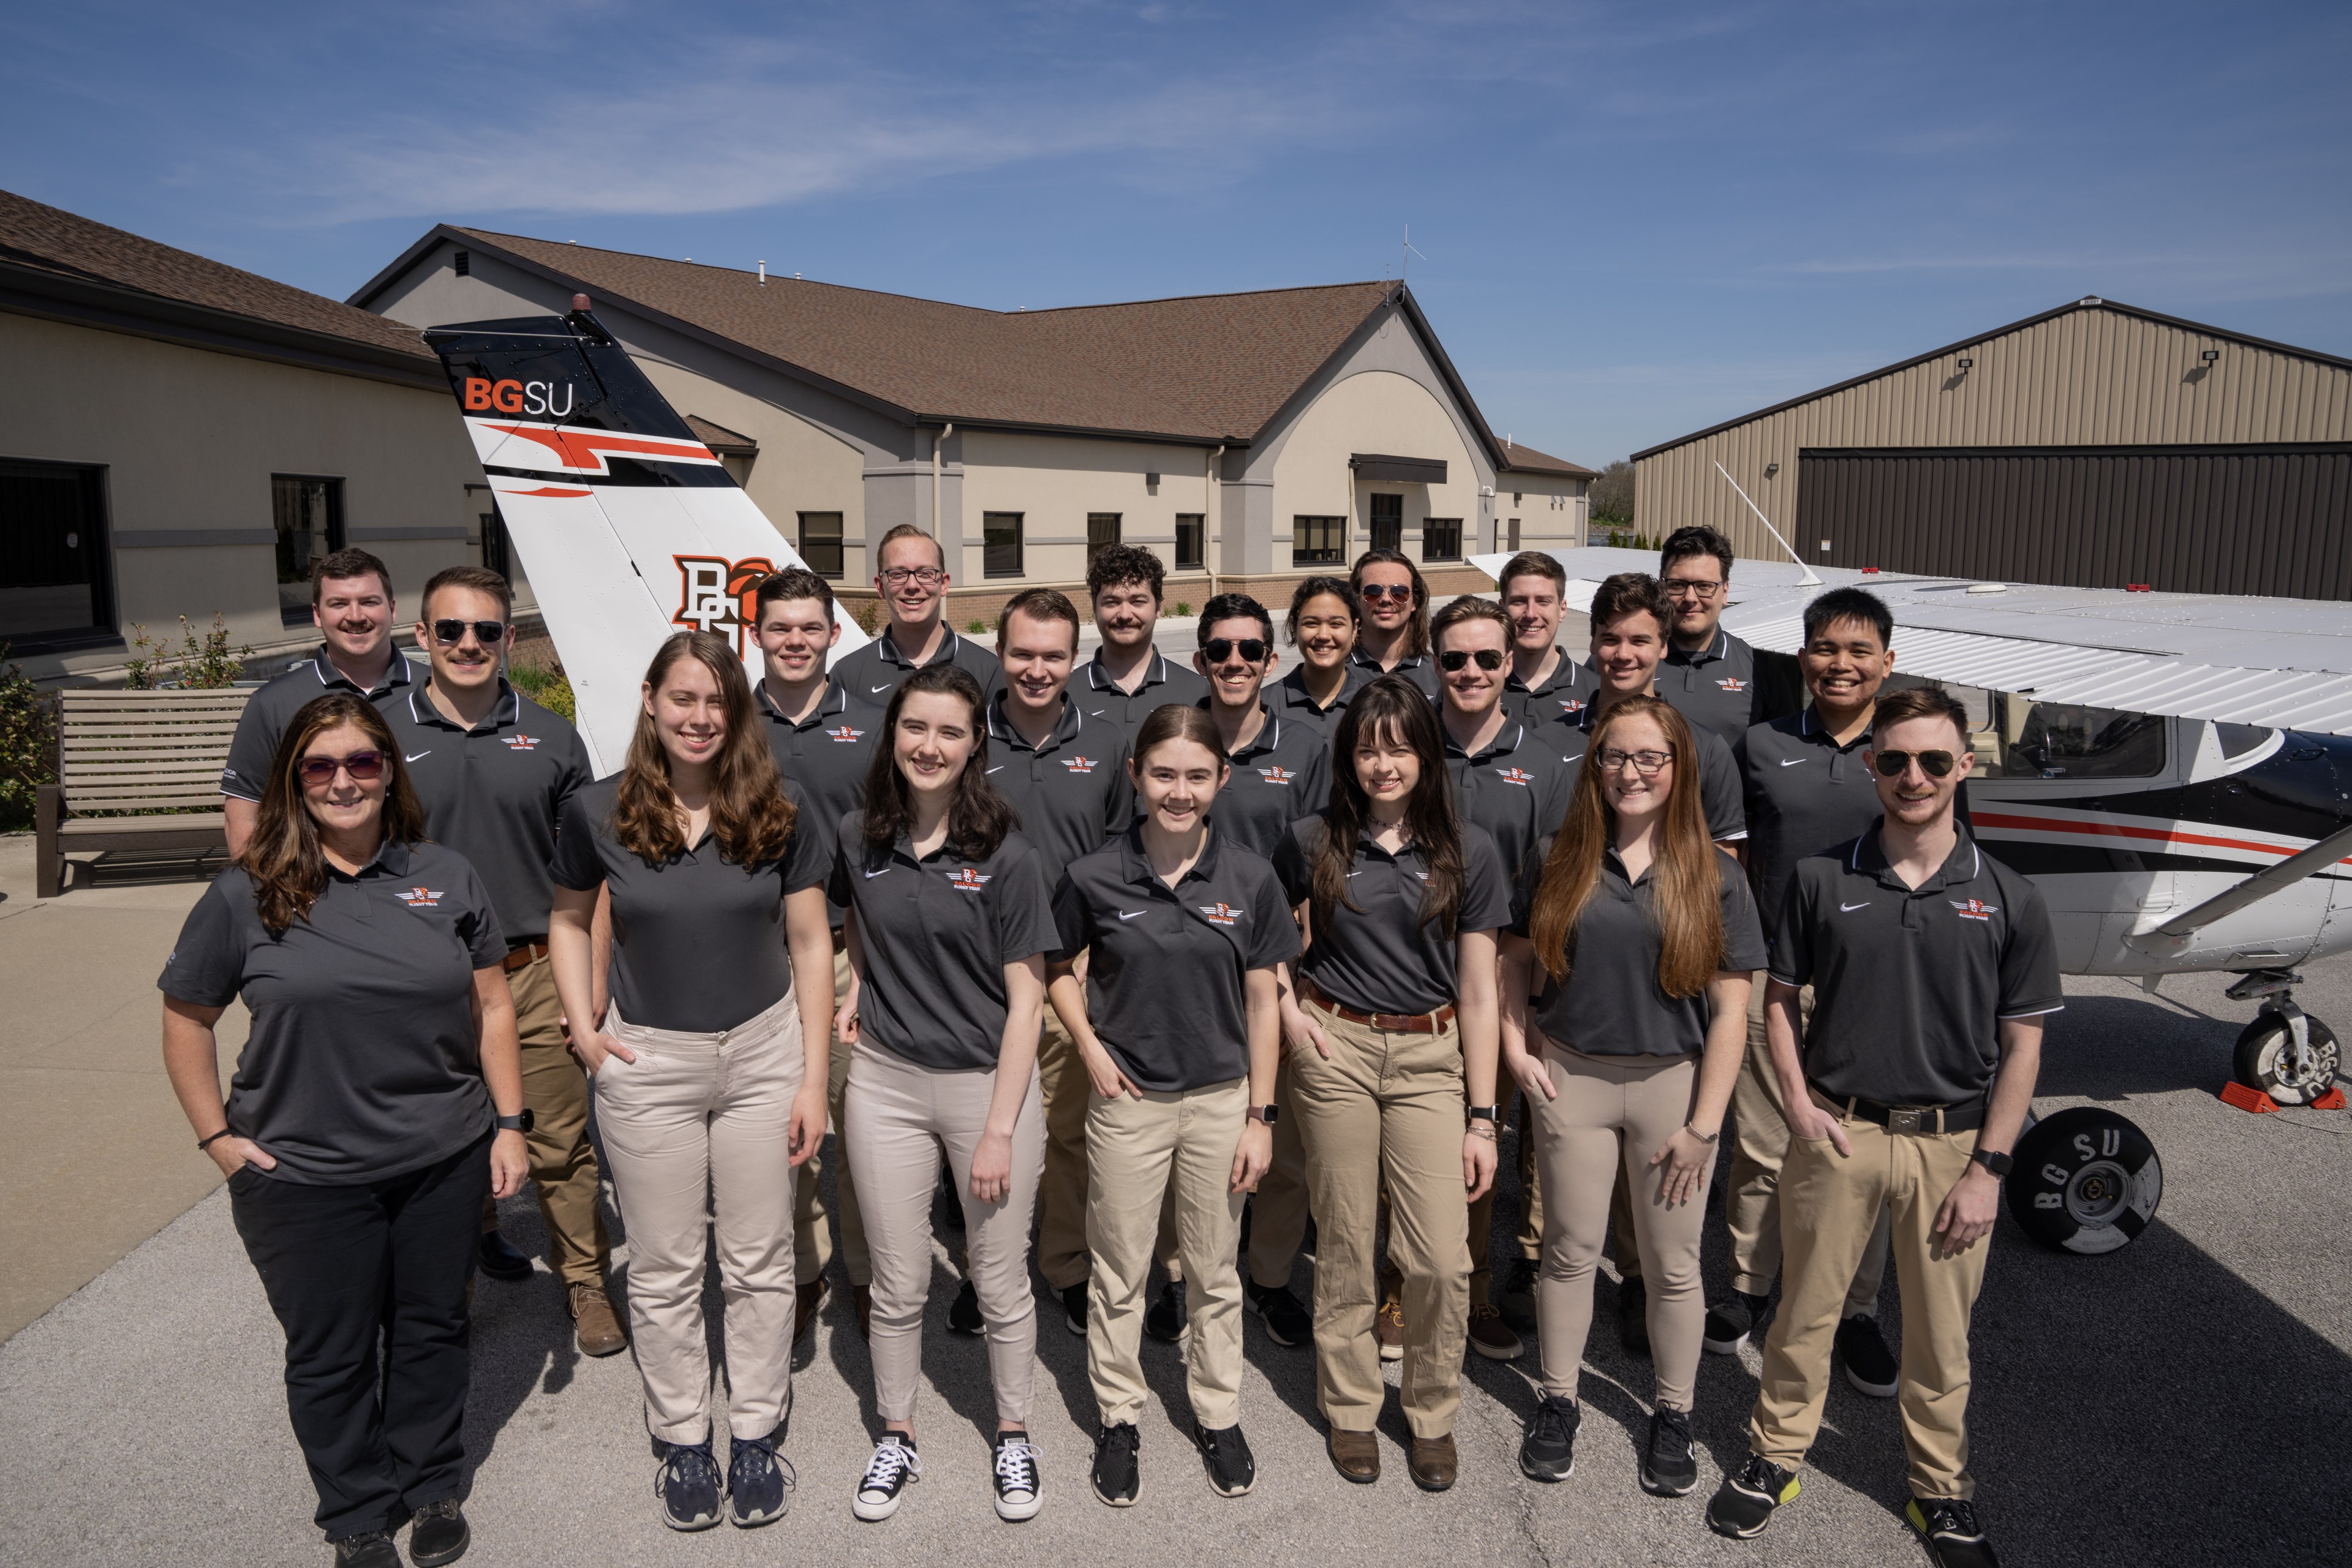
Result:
{"points": [[1870, 1366], [374, 1550], [499, 1258], [1232, 1470], [1731, 1321], [1074, 1307], [1020, 1490], [1948, 1527], [963, 1316], [437, 1534], [1165, 1320], [1286, 1322], [1548, 1452], [688, 1485], [894, 1465], [1669, 1468], [1518, 1302], [1743, 1505], [1634, 1316], [760, 1481], [1115, 1477]]}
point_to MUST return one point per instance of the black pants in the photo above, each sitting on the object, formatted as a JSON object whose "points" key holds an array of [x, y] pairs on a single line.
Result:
{"points": [[348, 1268]]}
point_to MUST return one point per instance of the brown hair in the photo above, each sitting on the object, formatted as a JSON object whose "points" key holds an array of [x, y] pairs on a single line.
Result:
{"points": [[791, 582], [908, 531], [1632, 592], [1468, 607], [1116, 566], [1686, 880], [1918, 703], [1040, 605], [1532, 564], [1175, 721], [751, 816], [1695, 542], [1416, 630], [347, 563], [978, 817], [283, 859], [1314, 588], [1390, 706], [481, 579]]}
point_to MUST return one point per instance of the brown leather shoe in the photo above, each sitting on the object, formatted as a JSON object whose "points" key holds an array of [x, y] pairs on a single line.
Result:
{"points": [[862, 1297], [1389, 1328], [1434, 1463], [804, 1311], [594, 1322], [1355, 1455]]}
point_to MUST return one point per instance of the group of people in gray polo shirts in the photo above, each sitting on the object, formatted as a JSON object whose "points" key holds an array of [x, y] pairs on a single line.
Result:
{"points": [[1119, 951]]}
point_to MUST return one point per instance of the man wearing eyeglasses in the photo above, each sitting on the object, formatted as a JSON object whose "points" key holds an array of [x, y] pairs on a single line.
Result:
{"points": [[1935, 966], [911, 576], [1707, 674], [493, 770]]}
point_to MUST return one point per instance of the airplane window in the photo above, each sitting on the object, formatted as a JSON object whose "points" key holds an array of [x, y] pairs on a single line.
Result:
{"points": [[2060, 740], [2237, 740]]}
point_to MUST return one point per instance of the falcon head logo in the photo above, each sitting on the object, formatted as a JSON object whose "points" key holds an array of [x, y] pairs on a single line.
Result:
{"points": [[522, 742], [843, 735], [1079, 764], [1220, 913], [421, 898], [1730, 684], [1276, 774], [1973, 909], [1571, 704], [970, 880], [1519, 776]]}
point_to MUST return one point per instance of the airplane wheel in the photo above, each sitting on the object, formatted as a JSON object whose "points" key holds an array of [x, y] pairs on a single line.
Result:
{"points": [[2086, 1181], [2266, 1060]]}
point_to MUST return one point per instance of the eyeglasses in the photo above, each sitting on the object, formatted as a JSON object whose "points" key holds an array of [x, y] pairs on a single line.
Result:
{"points": [[1397, 591], [898, 576], [366, 767], [1646, 764], [1678, 587], [1218, 649], [1453, 660], [453, 632], [1890, 764]]}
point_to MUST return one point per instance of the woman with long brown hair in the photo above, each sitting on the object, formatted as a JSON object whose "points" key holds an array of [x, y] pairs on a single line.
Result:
{"points": [[1325, 615], [378, 1097], [1648, 935], [1393, 1016], [711, 1069]]}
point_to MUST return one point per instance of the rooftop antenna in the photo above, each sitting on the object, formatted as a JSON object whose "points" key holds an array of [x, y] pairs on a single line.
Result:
{"points": [[1404, 263], [763, 273], [1809, 580]]}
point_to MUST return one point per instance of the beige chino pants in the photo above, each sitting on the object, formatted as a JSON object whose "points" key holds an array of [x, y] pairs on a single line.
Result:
{"points": [[700, 1126], [1061, 1189], [812, 1238], [562, 1160]]}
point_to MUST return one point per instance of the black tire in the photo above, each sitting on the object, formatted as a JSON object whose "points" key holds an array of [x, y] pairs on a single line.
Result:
{"points": [[2262, 1060], [2086, 1181]]}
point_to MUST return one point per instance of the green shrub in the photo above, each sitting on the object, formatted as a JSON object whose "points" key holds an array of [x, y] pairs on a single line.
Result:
{"points": [[977, 626], [29, 738], [1182, 609], [551, 689], [197, 664]]}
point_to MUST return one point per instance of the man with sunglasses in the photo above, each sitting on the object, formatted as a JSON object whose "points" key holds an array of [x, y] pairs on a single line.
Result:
{"points": [[1128, 677], [1543, 683], [1395, 637], [1707, 674], [1936, 966], [493, 770], [911, 574]]}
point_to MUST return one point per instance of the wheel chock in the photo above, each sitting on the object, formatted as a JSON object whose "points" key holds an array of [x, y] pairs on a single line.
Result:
{"points": [[2254, 1100], [2332, 1101]]}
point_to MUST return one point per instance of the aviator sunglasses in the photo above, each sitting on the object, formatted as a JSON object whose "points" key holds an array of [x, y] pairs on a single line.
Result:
{"points": [[487, 633], [1218, 649], [366, 767], [1890, 764], [1453, 660], [1397, 591]]}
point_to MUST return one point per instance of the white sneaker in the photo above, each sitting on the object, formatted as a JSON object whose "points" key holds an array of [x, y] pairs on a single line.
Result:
{"points": [[1020, 1491], [894, 1465]]}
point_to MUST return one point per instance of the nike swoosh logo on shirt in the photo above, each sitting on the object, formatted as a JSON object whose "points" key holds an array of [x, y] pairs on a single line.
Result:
{"points": [[997, 769], [1792, 762], [1849, 909], [1125, 916], [871, 875], [426, 753], [884, 687]]}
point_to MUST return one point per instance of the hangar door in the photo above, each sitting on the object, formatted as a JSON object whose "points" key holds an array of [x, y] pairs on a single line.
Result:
{"points": [[2199, 520]]}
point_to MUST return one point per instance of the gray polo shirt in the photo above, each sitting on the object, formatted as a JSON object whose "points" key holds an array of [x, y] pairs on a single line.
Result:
{"points": [[495, 794], [1419, 669], [1565, 693], [1715, 688], [697, 941], [1718, 774], [272, 708], [1072, 792], [1282, 774], [875, 671], [1164, 986], [1164, 681], [826, 753], [1910, 983], [936, 933], [1287, 699], [1377, 955], [1611, 1004], [362, 1061], [1517, 789]]}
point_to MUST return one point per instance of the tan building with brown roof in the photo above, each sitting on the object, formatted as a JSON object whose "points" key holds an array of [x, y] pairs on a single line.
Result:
{"points": [[1250, 440]]}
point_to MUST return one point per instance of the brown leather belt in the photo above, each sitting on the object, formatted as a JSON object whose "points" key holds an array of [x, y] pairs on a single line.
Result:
{"points": [[1402, 1022], [523, 957]]}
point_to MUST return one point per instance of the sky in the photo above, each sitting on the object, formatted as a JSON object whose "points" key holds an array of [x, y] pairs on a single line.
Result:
{"points": [[1629, 221]]}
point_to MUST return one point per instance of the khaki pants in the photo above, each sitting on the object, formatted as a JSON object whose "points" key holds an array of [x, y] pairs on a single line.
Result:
{"points": [[1531, 1208], [812, 1239], [1062, 1191], [1142, 1155], [1613, 1114], [1759, 1142], [562, 1160], [697, 1132], [900, 1119], [1278, 1208], [1828, 1205], [1387, 1105]]}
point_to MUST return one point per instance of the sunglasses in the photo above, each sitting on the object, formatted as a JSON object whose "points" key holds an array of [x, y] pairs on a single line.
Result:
{"points": [[487, 633], [366, 767], [1398, 591], [1890, 764], [1218, 649], [1454, 658]]}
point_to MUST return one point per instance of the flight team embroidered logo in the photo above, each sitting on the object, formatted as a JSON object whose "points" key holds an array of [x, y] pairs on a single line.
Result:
{"points": [[1079, 764], [1519, 776], [970, 880], [1220, 913], [1571, 704], [522, 742], [422, 898], [716, 595], [1974, 908], [1276, 774], [843, 735], [1730, 684]]}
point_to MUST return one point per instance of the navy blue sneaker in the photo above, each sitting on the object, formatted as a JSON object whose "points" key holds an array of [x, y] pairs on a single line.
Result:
{"points": [[887, 1473], [758, 1481], [688, 1485]]}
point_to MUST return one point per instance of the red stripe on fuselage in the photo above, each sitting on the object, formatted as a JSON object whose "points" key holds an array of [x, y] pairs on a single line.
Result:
{"points": [[2120, 830], [548, 490]]}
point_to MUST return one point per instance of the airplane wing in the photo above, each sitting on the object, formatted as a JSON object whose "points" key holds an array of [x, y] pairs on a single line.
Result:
{"points": [[2286, 664], [628, 526]]}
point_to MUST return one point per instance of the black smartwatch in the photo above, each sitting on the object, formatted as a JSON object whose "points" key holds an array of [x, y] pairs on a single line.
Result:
{"points": [[1994, 1161], [518, 1123], [1493, 1113], [1269, 1114]]}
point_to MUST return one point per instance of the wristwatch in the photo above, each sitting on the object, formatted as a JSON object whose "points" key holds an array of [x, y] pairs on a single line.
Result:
{"points": [[1493, 1113], [1994, 1161], [1268, 1114], [518, 1123]]}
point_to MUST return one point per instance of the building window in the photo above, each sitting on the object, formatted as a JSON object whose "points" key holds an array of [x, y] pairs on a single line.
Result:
{"points": [[1317, 541], [309, 517], [497, 551], [1102, 532], [821, 543], [1441, 539], [1388, 523], [999, 534], [53, 560], [1192, 540]]}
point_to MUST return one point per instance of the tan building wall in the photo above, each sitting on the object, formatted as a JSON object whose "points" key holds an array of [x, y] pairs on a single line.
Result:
{"points": [[189, 438], [1372, 411], [1054, 482], [1549, 510], [2088, 377]]}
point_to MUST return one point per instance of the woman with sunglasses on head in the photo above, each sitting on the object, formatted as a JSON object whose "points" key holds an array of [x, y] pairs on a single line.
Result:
{"points": [[1648, 934], [1394, 639], [378, 1097], [1394, 1015], [949, 923], [709, 1067], [1325, 616]]}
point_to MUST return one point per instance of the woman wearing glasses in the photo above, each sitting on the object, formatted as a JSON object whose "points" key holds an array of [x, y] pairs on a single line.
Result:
{"points": [[378, 1097], [1325, 616], [1394, 639], [1649, 936]]}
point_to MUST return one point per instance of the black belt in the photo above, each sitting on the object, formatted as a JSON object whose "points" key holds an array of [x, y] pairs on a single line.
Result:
{"points": [[1908, 1119]]}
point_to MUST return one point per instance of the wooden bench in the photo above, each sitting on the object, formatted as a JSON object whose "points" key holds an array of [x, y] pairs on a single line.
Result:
{"points": [[135, 751]]}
